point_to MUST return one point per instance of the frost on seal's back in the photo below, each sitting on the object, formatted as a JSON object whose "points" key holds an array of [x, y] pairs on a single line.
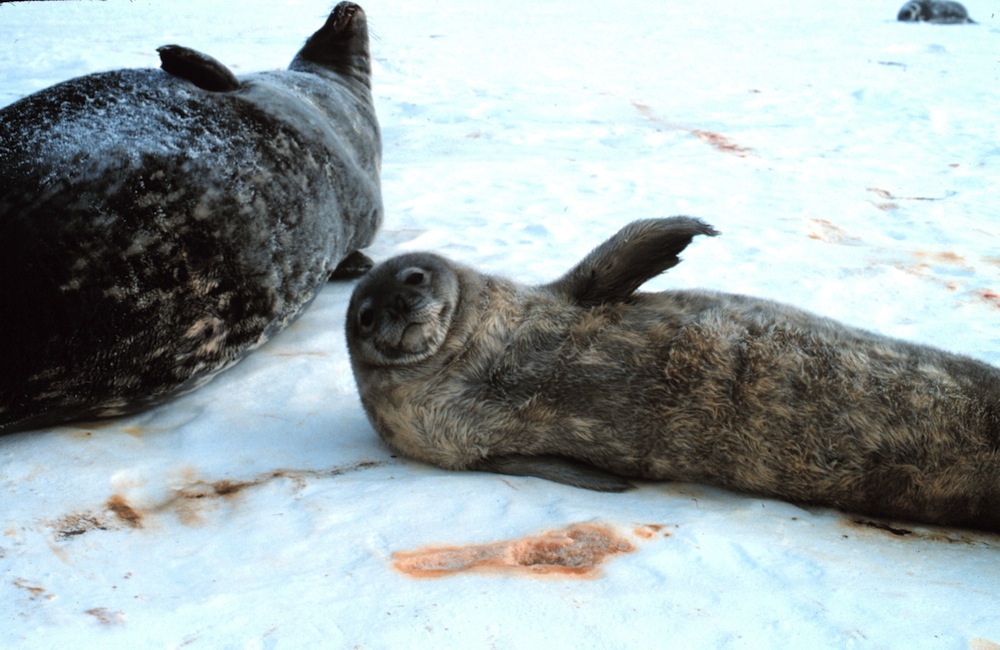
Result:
{"points": [[159, 224]]}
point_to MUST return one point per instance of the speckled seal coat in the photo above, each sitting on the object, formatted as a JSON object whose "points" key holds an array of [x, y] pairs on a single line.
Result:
{"points": [[470, 371], [156, 225], [944, 12]]}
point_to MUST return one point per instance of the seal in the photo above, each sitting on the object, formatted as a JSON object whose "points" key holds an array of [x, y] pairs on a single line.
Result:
{"points": [[585, 379], [158, 225], [934, 11]]}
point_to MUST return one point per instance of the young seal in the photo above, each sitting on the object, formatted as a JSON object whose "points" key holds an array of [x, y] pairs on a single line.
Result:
{"points": [[157, 225], [934, 11], [471, 371]]}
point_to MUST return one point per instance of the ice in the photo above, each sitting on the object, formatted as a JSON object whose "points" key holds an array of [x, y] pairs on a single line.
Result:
{"points": [[851, 163]]}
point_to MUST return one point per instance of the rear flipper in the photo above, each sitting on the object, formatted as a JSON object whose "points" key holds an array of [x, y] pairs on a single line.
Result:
{"points": [[555, 468], [636, 253], [200, 69], [353, 266]]}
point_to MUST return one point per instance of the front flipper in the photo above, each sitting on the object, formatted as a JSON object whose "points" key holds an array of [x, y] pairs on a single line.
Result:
{"points": [[555, 468], [200, 69], [636, 253], [353, 266]]}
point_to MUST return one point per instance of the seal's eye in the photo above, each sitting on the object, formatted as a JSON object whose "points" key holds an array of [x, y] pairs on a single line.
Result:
{"points": [[366, 317], [414, 277]]}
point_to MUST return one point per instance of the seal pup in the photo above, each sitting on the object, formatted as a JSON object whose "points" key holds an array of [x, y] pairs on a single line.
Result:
{"points": [[157, 225], [471, 371], [942, 12]]}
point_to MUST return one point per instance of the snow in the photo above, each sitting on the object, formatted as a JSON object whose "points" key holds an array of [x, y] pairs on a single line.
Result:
{"points": [[852, 164]]}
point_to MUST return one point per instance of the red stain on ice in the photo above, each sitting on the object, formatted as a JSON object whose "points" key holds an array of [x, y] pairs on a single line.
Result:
{"points": [[649, 531], [717, 140], [830, 233], [576, 551], [721, 142], [990, 296]]}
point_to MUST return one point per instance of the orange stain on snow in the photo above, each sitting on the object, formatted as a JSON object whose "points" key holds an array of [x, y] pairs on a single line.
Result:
{"points": [[576, 551]]}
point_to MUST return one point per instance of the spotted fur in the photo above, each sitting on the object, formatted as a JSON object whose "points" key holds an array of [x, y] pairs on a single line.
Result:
{"points": [[934, 11], [157, 225]]}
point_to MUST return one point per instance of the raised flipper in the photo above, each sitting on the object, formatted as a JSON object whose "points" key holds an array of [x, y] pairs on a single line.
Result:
{"points": [[555, 468], [636, 253], [200, 69], [353, 266]]}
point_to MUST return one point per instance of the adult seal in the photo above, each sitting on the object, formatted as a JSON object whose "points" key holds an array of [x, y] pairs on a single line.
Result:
{"points": [[934, 11], [157, 225], [585, 379]]}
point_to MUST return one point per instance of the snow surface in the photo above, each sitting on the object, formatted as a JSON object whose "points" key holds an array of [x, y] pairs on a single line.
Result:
{"points": [[852, 164]]}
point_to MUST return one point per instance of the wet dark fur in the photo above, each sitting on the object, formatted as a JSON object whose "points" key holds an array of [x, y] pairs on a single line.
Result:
{"points": [[155, 227], [934, 11], [739, 392]]}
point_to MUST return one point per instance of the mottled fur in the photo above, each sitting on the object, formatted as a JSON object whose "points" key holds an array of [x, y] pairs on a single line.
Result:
{"points": [[943, 12], [739, 392], [157, 225]]}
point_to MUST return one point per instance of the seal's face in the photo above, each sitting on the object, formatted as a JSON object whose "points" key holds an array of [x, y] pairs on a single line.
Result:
{"points": [[401, 311], [341, 45], [911, 11]]}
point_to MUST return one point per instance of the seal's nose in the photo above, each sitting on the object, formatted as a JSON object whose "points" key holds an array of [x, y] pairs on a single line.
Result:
{"points": [[399, 304]]}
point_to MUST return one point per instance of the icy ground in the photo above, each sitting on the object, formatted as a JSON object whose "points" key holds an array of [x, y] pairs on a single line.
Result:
{"points": [[852, 164]]}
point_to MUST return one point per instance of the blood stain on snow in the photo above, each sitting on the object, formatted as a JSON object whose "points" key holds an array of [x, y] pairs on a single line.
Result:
{"points": [[983, 644], [575, 551], [717, 140], [830, 233], [188, 501], [941, 257], [721, 142], [990, 296], [123, 511], [106, 616], [886, 194], [35, 591], [649, 531], [73, 525], [932, 534]]}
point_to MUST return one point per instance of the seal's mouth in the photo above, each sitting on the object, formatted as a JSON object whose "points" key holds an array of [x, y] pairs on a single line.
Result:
{"points": [[343, 16], [415, 338]]}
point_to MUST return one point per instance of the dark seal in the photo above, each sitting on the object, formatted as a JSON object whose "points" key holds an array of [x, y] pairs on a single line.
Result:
{"points": [[934, 11], [586, 376], [157, 225]]}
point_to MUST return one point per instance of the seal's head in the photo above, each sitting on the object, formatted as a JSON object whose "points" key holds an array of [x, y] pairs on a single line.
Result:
{"points": [[401, 312], [911, 11], [341, 45]]}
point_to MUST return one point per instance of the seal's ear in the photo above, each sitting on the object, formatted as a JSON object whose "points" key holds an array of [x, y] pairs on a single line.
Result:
{"points": [[554, 468], [636, 253], [200, 69]]}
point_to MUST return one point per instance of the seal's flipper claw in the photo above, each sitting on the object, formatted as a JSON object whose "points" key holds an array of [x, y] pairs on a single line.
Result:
{"points": [[354, 265], [636, 253], [555, 468], [198, 68]]}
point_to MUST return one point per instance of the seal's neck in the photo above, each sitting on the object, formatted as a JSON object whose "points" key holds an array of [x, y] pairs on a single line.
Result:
{"points": [[339, 47], [354, 68]]}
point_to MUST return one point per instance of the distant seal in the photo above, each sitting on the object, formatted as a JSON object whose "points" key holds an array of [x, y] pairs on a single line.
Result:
{"points": [[586, 376], [157, 225], [934, 11]]}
